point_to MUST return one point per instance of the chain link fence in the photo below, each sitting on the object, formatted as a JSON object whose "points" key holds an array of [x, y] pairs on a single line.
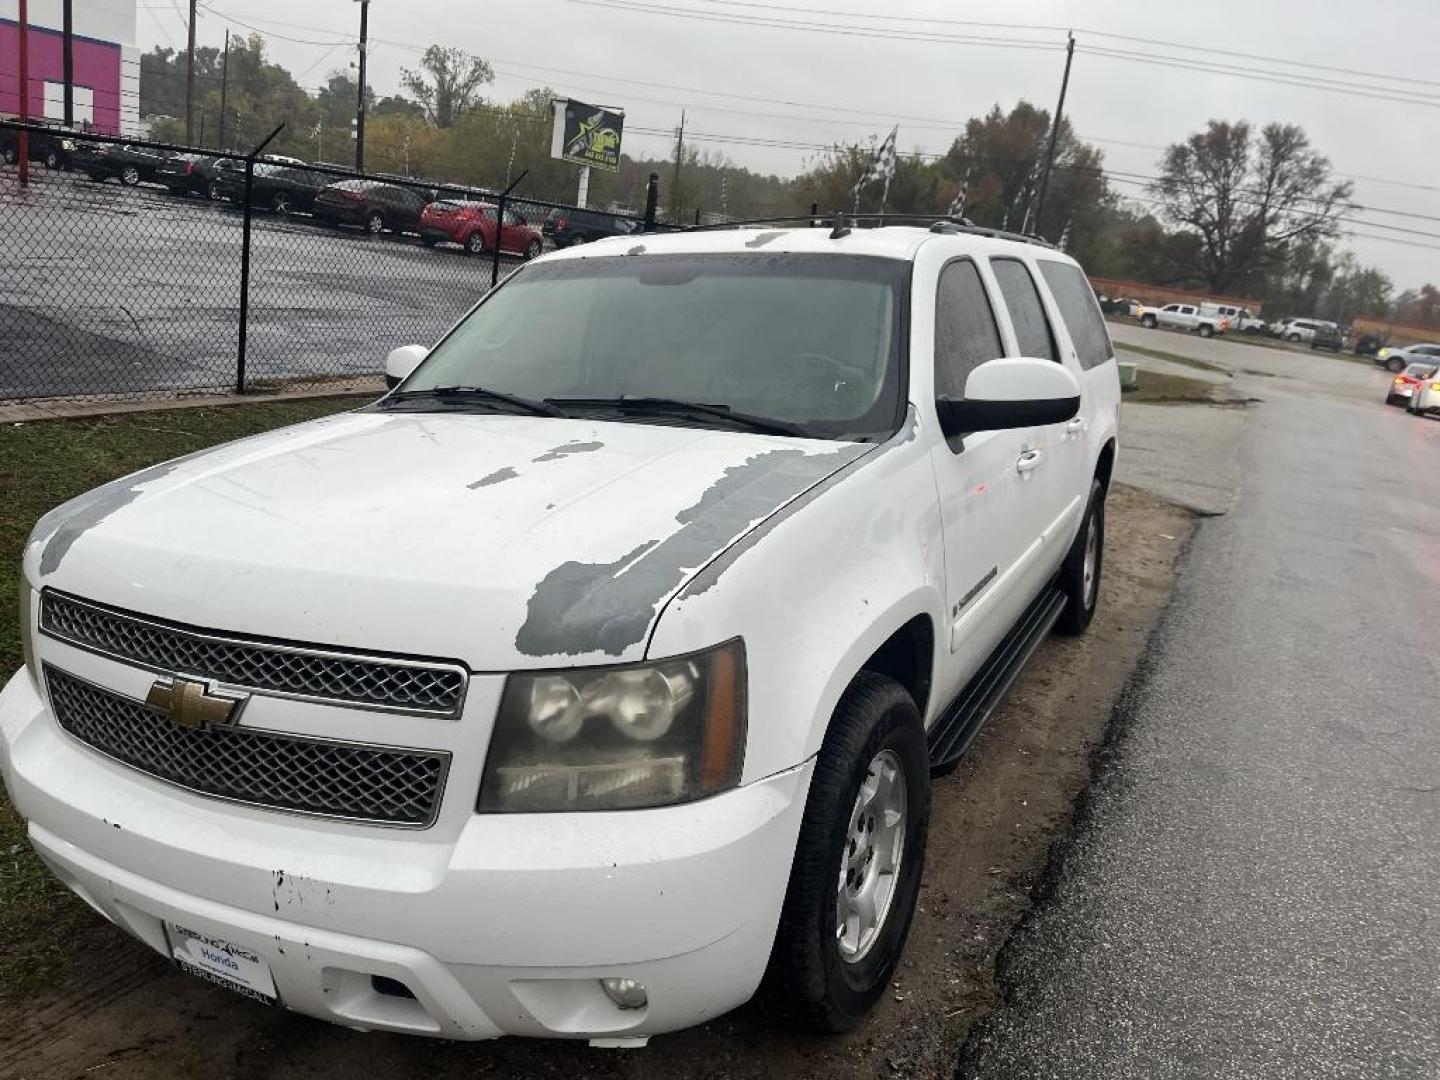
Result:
{"points": [[134, 269]]}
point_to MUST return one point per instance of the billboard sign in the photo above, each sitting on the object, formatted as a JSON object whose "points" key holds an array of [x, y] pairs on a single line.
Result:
{"points": [[587, 135]]}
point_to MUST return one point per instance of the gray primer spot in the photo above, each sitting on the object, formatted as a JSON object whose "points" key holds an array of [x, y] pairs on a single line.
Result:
{"points": [[72, 520], [706, 579], [499, 476], [569, 448], [638, 249], [761, 239], [606, 607]]}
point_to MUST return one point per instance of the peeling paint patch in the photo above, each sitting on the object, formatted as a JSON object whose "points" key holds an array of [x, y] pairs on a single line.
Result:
{"points": [[566, 449], [638, 249], [707, 578], [580, 607], [60, 528], [761, 239], [499, 476]]}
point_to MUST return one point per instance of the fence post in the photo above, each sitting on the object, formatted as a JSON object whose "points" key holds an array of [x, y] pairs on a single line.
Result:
{"points": [[652, 200], [245, 260], [500, 227]]}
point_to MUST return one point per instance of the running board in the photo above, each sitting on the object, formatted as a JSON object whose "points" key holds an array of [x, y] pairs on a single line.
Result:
{"points": [[956, 729]]}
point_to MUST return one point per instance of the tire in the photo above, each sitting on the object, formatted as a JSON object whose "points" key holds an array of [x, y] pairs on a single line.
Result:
{"points": [[1395, 364], [130, 176], [374, 223], [212, 191], [1391, 399], [1206, 330], [8, 155], [1080, 572], [52, 161], [1294, 338], [1148, 321], [876, 730], [533, 249], [280, 202], [475, 244]]}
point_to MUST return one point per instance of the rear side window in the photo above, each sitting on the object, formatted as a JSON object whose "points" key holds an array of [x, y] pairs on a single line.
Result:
{"points": [[965, 330], [1032, 328], [1076, 301]]}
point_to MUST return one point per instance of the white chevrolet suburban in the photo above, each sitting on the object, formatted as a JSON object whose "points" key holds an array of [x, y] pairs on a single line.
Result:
{"points": [[597, 672]]}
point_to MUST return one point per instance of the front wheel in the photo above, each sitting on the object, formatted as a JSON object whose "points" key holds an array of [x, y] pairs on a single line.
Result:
{"points": [[533, 249], [52, 161], [1206, 331], [1293, 338], [1395, 364], [281, 202], [130, 176], [1148, 322], [1080, 572], [475, 244], [858, 861], [375, 223]]}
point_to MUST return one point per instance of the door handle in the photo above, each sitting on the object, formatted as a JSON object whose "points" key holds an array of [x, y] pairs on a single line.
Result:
{"points": [[1075, 427], [1029, 461]]}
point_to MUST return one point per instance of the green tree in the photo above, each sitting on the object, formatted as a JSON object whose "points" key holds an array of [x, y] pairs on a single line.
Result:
{"points": [[162, 80], [447, 82]]}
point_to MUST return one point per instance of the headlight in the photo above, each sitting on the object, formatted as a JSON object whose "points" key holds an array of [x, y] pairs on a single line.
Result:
{"points": [[27, 629], [618, 738], [1383, 352]]}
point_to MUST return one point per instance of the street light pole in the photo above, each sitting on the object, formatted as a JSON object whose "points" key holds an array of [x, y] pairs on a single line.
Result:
{"points": [[1054, 132], [190, 82], [360, 102], [67, 59]]}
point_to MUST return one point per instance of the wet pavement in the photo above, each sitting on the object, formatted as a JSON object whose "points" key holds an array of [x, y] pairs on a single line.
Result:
{"points": [[1253, 888]]}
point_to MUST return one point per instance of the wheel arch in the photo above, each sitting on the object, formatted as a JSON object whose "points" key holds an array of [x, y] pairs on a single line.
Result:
{"points": [[1105, 464], [908, 657]]}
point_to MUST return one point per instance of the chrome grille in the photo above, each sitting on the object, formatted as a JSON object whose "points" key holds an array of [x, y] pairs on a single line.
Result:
{"points": [[293, 671], [278, 772]]}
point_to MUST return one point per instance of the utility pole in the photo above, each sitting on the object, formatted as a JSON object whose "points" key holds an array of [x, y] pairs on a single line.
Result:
{"points": [[1055, 131], [190, 82], [224, 88], [67, 59], [24, 136], [679, 153], [360, 102]]}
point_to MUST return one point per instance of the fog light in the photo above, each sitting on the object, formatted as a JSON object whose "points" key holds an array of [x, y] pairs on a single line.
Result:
{"points": [[625, 993]]}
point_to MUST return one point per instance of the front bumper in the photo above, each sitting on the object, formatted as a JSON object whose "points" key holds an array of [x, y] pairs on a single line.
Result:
{"points": [[504, 927]]}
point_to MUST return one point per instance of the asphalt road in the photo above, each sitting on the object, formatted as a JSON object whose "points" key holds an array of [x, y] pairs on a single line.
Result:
{"points": [[105, 289], [1253, 888]]}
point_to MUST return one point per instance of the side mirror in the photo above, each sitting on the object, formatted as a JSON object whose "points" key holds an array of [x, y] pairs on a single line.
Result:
{"points": [[401, 362], [1011, 393]]}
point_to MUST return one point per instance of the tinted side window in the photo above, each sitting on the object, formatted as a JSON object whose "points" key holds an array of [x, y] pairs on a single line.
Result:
{"points": [[965, 330], [1076, 301], [1032, 329]]}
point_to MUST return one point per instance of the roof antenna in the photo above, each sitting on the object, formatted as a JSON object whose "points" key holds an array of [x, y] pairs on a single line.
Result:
{"points": [[842, 227]]}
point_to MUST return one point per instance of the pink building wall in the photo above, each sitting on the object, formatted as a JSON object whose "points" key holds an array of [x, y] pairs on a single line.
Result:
{"points": [[97, 66]]}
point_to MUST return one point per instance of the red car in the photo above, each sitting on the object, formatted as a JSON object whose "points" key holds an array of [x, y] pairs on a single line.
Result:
{"points": [[472, 226]]}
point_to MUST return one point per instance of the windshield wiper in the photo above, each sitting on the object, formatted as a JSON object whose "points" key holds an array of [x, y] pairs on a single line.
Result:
{"points": [[483, 393], [661, 406]]}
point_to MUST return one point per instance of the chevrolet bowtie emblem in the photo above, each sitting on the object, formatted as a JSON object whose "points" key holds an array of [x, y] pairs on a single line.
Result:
{"points": [[193, 705]]}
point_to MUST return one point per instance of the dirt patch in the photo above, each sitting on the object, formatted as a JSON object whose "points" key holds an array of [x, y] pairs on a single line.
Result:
{"points": [[123, 1012]]}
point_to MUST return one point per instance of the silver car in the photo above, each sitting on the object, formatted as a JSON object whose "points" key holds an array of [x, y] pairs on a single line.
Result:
{"points": [[1398, 357]]}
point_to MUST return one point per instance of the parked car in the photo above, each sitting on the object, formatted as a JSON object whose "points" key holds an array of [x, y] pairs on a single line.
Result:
{"points": [[1398, 357], [118, 161], [1184, 317], [1425, 395], [538, 697], [1119, 306], [284, 189], [185, 174], [374, 205], [51, 144], [1328, 336], [472, 226], [1404, 386], [1241, 319], [1299, 330], [1369, 344], [564, 227]]}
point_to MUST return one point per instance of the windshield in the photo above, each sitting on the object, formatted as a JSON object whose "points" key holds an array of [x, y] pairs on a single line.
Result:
{"points": [[810, 340]]}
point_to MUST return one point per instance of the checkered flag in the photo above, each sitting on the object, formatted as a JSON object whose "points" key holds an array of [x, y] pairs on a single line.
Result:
{"points": [[957, 205], [881, 168]]}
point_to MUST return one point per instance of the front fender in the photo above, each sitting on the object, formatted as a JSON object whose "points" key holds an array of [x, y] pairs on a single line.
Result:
{"points": [[814, 592]]}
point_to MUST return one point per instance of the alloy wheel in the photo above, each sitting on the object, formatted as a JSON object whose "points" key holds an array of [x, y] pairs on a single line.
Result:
{"points": [[870, 862]]}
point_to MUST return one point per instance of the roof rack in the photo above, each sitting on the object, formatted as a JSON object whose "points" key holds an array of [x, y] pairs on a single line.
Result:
{"points": [[839, 223]]}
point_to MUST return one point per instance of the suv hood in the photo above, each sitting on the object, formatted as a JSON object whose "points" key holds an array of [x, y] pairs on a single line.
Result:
{"points": [[500, 541]]}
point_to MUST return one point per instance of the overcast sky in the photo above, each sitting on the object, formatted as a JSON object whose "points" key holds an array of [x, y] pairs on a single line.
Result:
{"points": [[738, 79]]}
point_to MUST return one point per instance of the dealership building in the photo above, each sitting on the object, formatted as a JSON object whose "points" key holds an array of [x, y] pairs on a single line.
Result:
{"points": [[106, 63]]}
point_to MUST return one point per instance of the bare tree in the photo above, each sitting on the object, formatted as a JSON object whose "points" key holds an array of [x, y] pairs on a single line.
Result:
{"points": [[1249, 199], [448, 82]]}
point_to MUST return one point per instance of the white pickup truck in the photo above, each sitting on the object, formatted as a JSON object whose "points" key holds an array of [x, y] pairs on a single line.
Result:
{"points": [[1184, 317], [602, 665]]}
